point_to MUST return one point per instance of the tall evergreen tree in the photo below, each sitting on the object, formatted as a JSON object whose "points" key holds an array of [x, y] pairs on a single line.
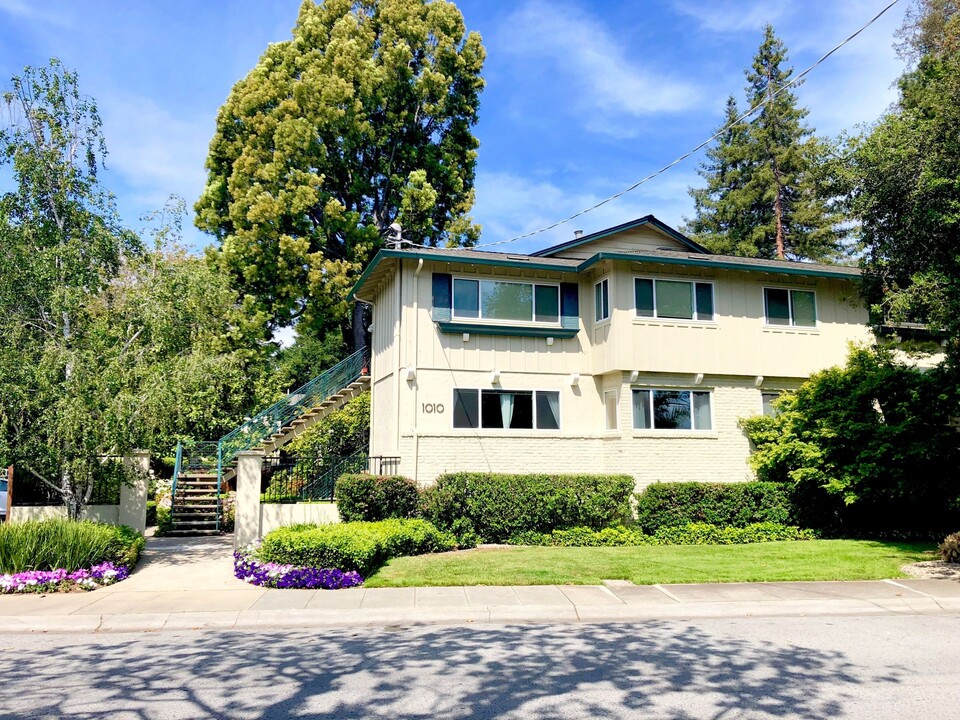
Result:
{"points": [[774, 199], [723, 220]]}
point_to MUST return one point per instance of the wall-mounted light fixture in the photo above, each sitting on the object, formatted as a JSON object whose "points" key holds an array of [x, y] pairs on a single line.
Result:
{"points": [[549, 342], [698, 380], [495, 377], [574, 379], [410, 374], [634, 375], [466, 337], [758, 381]]}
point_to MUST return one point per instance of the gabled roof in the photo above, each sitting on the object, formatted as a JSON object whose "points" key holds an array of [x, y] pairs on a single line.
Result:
{"points": [[645, 220]]}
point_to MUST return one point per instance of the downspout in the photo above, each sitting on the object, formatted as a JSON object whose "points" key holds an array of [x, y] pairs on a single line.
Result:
{"points": [[416, 382], [398, 359]]}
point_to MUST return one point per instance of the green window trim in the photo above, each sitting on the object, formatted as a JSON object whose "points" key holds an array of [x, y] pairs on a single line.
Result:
{"points": [[475, 328]]}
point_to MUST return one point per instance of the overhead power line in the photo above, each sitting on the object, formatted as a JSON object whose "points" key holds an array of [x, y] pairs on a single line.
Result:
{"points": [[702, 145]]}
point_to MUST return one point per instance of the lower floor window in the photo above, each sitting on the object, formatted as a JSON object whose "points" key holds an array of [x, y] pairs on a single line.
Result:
{"points": [[672, 410], [767, 399], [507, 409]]}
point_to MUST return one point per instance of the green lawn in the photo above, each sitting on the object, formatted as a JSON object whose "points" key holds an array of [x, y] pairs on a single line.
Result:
{"points": [[774, 561]]}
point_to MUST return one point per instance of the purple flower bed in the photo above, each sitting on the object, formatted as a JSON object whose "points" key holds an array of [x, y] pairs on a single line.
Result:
{"points": [[247, 568], [61, 580]]}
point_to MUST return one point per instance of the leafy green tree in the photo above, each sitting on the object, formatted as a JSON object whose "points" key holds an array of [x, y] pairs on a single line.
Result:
{"points": [[870, 446], [907, 186], [765, 196], [108, 345], [62, 243], [361, 120]]}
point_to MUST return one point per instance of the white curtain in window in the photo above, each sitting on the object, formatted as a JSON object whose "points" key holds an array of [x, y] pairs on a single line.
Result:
{"points": [[506, 408], [553, 399]]}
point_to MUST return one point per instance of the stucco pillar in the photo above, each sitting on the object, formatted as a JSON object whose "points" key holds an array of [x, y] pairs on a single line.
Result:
{"points": [[133, 498], [247, 525]]}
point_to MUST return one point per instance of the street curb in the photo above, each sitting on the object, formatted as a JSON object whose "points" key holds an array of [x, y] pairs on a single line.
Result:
{"points": [[477, 616]]}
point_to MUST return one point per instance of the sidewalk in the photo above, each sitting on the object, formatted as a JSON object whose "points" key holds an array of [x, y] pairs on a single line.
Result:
{"points": [[188, 584]]}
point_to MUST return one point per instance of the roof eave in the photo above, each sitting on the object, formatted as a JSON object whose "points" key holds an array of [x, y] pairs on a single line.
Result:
{"points": [[787, 269]]}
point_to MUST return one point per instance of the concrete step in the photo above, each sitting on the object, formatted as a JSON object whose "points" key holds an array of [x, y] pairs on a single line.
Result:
{"points": [[191, 533]]}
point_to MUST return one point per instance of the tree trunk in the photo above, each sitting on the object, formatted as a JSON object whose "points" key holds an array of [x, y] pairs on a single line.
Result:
{"points": [[778, 213]]}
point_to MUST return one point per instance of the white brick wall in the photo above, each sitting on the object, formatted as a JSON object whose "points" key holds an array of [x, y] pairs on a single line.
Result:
{"points": [[718, 455]]}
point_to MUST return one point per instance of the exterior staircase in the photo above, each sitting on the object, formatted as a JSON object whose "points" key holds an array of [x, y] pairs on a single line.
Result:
{"points": [[201, 469]]}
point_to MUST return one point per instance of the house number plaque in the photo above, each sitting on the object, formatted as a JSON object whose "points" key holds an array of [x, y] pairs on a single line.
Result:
{"points": [[432, 408]]}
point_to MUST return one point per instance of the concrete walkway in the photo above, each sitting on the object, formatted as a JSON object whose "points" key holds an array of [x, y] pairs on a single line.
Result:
{"points": [[188, 584]]}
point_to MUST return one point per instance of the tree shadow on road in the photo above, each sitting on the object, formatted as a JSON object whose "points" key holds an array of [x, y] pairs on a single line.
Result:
{"points": [[642, 670]]}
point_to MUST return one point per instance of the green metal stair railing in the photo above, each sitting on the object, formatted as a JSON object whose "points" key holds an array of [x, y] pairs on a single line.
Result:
{"points": [[261, 427]]}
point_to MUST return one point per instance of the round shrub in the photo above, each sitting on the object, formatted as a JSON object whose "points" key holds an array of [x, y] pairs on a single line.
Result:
{"points": [[376, 497], [950, 548]]}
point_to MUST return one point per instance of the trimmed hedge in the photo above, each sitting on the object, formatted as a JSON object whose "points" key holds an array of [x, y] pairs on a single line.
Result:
{"points": [[690, 534], [67, 544], [722, 504], [360, 546], [496, 507], [376, 497]]}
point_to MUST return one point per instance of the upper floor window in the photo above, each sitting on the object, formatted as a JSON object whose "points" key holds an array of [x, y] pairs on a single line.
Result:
{"points": [[672, 410], [601, 300], [674, 299], [507, 409], [797, 308], [505, 300]]}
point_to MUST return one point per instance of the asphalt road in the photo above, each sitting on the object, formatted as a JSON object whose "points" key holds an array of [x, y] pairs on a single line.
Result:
{"points": [[822, 667]]}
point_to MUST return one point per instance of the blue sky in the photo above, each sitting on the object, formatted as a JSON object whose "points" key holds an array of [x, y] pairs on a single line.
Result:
{"points": [[583, 98]]}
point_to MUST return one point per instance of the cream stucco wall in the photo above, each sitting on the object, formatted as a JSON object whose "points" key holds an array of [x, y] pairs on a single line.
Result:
{"points": [[412, 418], [109, 514]]}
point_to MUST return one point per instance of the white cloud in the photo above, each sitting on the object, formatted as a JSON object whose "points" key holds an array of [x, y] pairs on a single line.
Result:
{"points": [[509, 205], [154, 148], [32, 11], [731, 16], [600, 79]]}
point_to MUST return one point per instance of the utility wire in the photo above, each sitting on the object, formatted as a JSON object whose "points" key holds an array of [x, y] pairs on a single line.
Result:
{"points": [[699, 147]]}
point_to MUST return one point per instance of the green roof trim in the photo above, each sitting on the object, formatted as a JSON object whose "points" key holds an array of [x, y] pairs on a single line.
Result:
{"points": [[568, 266], [509, 330], [786, 268], [645, 220]]}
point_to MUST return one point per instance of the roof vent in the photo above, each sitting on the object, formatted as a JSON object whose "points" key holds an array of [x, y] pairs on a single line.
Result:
{"points": [[577, 234]]}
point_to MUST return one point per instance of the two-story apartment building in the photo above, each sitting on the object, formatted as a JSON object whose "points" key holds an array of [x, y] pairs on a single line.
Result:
{"points": [[631, 350]]}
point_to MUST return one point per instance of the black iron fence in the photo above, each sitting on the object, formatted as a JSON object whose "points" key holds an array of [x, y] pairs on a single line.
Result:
{"points": [[305, 479], [106, 475]]}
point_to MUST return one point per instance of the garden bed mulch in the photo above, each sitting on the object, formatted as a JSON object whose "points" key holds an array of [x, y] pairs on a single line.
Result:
{"points": [[933, 570]]}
